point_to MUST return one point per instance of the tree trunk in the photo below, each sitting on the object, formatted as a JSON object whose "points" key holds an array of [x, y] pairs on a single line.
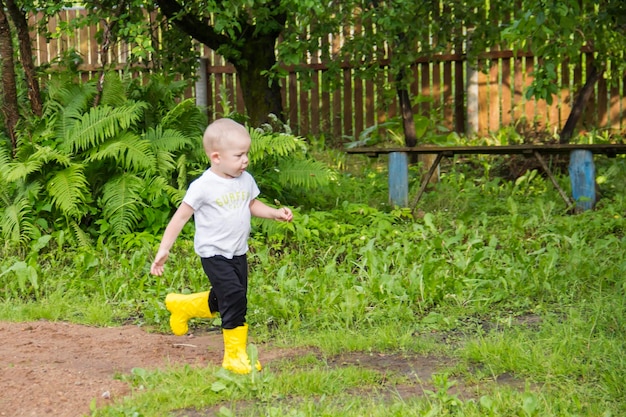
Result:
{"points": [[253, 55], [579, 104], [261, 95], [408, 124], [8, 95], [26, 56], [410, 135]]}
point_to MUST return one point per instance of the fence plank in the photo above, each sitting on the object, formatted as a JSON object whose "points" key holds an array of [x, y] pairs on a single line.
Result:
{"points": [[602, 107], [494, 93], [359, 109], [459, 97], [436, 90], [370, 104], [529, 105], [589, 118], [483, 101], [506, 84], [347, 111], [336, 114], [315, 105], [292, 103], [614, 106], [448, 97], [425, 89], [565, 98]]}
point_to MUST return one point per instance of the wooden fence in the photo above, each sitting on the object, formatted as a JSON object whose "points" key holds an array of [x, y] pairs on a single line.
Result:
{"points": [[464, 99]]}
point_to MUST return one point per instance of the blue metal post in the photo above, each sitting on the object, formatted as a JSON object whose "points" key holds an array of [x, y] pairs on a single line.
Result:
{"points": [[582, 173], [398, 179]]}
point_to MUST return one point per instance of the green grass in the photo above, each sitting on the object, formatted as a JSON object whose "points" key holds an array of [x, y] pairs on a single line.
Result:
{"points": [[495, 277]]}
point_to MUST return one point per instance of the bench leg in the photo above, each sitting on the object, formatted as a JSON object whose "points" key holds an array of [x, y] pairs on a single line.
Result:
{"points": [[582, 174], [554, 182], [398, 179], [425, 182]]}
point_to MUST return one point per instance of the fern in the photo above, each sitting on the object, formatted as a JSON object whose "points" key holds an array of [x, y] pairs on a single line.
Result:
{"points": [[113, 91], [68, 98], [101, 123], [79, 234], [17, 225], [121, 202], [47, 154], [303, 173], [126, 150], [69, 190], [281, 161], [4, 160], [272, 144], [16, 171], [169, 140], [175, 194], [185, 117]]}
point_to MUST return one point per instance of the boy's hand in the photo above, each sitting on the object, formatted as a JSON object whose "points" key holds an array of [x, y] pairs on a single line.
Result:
{"points": [[284, 214], [159, 261]]}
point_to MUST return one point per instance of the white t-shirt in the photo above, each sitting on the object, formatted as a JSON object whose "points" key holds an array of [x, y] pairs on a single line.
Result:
{"points": [[221, 213]]}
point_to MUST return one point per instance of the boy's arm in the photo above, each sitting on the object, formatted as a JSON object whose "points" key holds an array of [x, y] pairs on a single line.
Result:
{"points": [[176, 224], [260, 209]]}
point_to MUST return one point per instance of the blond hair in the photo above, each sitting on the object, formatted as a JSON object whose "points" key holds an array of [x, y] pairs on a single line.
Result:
{"points": [[219, 133]]}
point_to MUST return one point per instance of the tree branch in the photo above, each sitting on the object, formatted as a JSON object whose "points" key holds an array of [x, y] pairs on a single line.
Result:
{"points": [[200, 30]]}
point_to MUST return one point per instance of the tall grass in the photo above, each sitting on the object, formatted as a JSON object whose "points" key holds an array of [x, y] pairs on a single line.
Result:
{"points": [[353, 275]]}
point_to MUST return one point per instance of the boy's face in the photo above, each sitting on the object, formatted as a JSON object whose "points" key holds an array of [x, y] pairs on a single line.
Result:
{"points": [[231, 160]]}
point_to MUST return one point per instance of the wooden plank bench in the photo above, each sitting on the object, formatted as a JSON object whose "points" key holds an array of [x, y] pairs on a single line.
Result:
{"points": [[582, 171]]}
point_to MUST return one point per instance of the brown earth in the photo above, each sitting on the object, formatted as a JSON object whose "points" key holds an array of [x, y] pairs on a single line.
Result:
{"points": [[56, 369]]}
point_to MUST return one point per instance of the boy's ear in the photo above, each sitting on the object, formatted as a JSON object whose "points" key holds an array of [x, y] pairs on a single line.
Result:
{"points": [[215, 157]]}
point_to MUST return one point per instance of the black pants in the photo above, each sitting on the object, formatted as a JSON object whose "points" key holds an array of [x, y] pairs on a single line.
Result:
{"points": [[229, 288]]}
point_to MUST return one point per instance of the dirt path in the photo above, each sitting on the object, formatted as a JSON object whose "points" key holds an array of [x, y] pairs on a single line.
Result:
{"points": [[57, 369]]}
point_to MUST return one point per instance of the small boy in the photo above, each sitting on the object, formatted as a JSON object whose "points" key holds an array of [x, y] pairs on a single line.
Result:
{"points": [[222, 202]]}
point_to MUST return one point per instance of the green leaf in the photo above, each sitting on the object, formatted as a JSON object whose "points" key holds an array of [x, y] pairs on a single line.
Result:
{"points": [[121, 202], [69, 190]]}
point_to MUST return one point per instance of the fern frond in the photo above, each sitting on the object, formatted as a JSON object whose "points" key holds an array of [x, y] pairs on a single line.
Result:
{"points": [[165, 143], [63, 121], [185, 117], [102, 123], [82, 238], [39, 155], [303, 173], [169, 140], [176, 195], [17, 225], [272, 145], [164, 162], [47, 154], [113, 90], [181, 165], [127, 150], [69, 190], [69, 98], [121, 202], [16, 171], [4, 160], [66, 102]]}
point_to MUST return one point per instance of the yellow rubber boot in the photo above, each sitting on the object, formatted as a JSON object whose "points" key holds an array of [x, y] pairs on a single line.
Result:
{"points": [[186, 306], [235, 356]]}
